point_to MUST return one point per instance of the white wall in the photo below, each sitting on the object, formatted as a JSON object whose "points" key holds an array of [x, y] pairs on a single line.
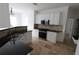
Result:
{"points": [[28, 19], [31, 20], [19, 19], [4, 15], [27, 13], [16, 19]]}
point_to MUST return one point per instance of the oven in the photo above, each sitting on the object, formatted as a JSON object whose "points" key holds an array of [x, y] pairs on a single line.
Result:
{"points": [[43, 33]]}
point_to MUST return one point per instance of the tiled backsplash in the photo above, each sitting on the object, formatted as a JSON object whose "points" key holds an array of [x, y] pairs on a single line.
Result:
{"points": [[49, 27]]}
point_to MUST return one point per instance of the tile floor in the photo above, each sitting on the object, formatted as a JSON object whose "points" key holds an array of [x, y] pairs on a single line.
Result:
{"points": [[41, 47]]}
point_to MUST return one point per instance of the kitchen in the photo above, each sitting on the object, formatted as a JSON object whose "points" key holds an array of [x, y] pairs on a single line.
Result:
{"points": [[48, 26]]}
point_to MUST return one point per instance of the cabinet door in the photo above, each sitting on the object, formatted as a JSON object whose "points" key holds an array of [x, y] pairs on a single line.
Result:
{"points": [[40, 17], [54, 18], [27, 38], [51, 19], [35, 33], [46, 16], [51, 36]]}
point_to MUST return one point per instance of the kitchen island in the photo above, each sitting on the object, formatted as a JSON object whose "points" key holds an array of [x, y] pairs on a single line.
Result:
{"points": [[15, 40]]}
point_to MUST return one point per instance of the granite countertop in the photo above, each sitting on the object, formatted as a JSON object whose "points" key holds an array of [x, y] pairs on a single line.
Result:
{"points": [[5, 28], [8, 48], [52, 28], [18, 48]]}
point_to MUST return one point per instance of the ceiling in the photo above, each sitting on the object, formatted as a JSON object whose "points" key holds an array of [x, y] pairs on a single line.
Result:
{"points": [[41, 6]]}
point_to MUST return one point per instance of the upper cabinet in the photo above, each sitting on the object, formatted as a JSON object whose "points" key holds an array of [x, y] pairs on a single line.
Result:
{"points": [[40, 17], [52, 17]]}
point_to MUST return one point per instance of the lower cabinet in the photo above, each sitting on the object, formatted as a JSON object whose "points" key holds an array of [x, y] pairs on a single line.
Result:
{"points": [[51, 36], [27, 38], [35, 33]]}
